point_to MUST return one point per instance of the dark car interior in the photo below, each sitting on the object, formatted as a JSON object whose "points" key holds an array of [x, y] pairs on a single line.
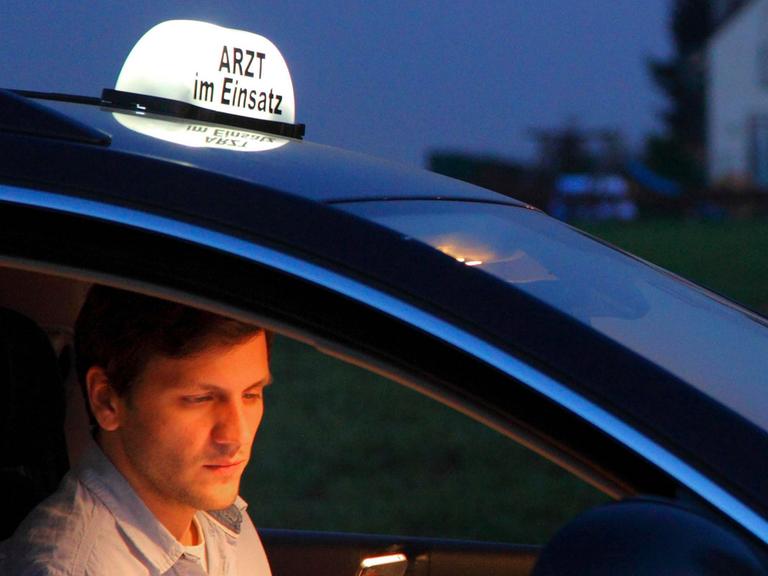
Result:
{"points": [[40, 438], [32, 423]]}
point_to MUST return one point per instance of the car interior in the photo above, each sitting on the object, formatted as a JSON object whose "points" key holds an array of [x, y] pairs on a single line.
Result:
{"points": [[44, 423]]}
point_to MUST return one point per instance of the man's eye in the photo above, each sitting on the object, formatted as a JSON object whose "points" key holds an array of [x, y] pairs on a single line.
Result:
{"points": [[197, 399], [252, 395]]}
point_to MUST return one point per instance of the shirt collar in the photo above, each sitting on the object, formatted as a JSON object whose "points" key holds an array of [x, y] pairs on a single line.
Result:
{"points": [[231, 517], [151, 539]]}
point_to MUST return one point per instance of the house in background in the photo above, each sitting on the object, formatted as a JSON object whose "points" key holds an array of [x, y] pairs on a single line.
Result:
{"points": [[737, 94]]}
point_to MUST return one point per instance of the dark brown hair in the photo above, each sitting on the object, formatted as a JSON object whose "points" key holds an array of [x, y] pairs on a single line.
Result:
{"points": [[121, 331]]}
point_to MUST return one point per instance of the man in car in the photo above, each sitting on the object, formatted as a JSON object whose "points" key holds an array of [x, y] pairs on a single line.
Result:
{"points": [[175, 396]]}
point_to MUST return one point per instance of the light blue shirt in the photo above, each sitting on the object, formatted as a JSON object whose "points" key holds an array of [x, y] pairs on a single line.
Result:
{"points": [[96, 525]]}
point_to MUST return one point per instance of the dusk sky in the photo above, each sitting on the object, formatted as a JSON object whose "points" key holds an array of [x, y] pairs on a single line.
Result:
{"points": [[393, 79]]}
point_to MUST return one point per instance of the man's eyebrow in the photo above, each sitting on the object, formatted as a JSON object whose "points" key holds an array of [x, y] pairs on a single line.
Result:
{"points": [[210, 387], [263, 383]]}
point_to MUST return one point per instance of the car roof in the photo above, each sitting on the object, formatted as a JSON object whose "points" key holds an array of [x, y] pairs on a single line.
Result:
{"points": [[314, 171]]}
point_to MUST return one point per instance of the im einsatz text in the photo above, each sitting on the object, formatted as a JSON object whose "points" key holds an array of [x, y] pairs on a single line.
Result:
{"points": [[239, 64]]}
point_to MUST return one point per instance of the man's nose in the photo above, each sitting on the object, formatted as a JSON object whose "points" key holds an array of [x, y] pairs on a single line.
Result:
{"points": [[232, 426]]}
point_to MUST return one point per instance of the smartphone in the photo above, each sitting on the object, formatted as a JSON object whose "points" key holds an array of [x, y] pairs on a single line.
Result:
{"points": [[389, 565]]}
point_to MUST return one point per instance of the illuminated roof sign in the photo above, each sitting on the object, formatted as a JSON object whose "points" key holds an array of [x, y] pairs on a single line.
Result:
{"points": [[201, 71]]}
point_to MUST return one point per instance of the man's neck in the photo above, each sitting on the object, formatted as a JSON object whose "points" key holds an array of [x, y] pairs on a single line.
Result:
{"points": [[176, 517], [193, 536]]}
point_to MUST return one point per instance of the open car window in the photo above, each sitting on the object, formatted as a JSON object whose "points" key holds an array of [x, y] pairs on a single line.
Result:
{"points": [[343, 450]]}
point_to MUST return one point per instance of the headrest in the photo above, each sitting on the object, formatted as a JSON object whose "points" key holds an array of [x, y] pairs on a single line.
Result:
{"points": [[646, 537], [33, 454]]}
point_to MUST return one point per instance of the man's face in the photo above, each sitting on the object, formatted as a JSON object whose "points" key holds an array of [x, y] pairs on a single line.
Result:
{"points": [[187, 426]]}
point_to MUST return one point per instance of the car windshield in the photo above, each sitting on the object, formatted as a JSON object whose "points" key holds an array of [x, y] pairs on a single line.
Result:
{"points": [[717, 347]]}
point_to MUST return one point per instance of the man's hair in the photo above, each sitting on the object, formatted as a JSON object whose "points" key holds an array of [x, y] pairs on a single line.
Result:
{"points": [[122, 331]]}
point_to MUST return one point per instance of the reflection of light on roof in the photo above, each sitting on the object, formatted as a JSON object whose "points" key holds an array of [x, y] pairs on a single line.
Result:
{"points": [[462, 250], [199, 134], [518, 267], [467, 262]]}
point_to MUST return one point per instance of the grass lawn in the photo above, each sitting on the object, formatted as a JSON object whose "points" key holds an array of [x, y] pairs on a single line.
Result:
{"points": [[341, 449]]}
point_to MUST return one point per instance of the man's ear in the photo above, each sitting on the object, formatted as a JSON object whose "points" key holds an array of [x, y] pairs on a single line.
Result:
{"points": [[105, 402]]}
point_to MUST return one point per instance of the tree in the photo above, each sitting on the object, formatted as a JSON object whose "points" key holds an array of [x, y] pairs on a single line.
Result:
{"points": [[681, 79]]}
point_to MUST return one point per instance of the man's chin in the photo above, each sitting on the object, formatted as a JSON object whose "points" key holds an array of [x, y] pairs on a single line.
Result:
{"points": [[221, 498]]}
